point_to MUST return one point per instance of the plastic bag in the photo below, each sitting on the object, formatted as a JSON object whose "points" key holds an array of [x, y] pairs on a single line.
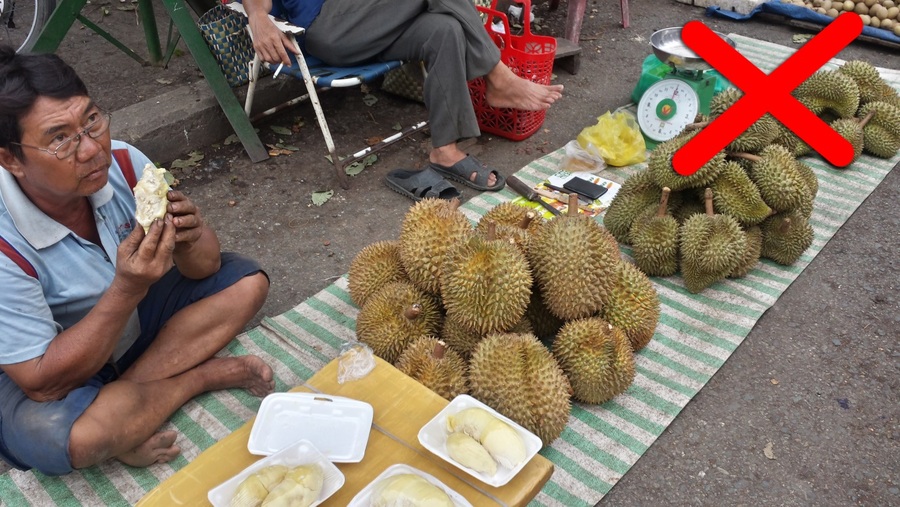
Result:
{"points": [[355, 361], [617, 137], [578, 159]]}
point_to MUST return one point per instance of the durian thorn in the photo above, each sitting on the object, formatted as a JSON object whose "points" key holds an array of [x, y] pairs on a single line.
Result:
{"points": [[708, 200], [413, 311], [439, 349], [527, 219], [491, 234], [862, 123], [749, 156], [696, 125], [785, 226], [663, 202], [573, 204]]}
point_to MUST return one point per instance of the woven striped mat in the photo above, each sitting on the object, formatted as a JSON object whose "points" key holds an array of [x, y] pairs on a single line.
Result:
{"points": [[695, 336]]}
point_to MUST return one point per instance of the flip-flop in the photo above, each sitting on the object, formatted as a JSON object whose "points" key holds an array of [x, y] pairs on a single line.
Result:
{"points": [[418, 185], [462, 171]]}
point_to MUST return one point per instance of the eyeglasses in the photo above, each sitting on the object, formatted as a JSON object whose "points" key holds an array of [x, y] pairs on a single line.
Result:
{"points": [[97, 125]]}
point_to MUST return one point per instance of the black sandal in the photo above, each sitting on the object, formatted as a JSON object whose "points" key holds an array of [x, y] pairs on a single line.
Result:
{"points": [[462, 171], [418, 185]]}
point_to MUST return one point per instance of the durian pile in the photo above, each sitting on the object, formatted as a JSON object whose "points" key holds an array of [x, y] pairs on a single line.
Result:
{"points": [[523, 314], [884, 14], [755, 198]]}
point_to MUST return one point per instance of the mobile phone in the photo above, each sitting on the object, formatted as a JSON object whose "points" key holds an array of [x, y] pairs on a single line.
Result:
{"points": [[585, 188]]}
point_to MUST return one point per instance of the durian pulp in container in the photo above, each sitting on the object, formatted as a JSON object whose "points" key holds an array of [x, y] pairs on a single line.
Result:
{"points": [[365, 496]]}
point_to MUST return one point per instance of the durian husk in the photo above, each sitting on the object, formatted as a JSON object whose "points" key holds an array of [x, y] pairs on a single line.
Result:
{"points": [[736, 195], [757, 136], [596, 357], [545, 325], [663, 173], [511, 214], [637, 193], [429, 230], [867, 78], [752, 248], [829, 91], [395, 316], [711, 246], [785, 237], [881, 135], [775, 174], [459, 337], [486, 284], [439, 368], [655, 241], [573, 257], [373, 267], [518, 377], [633, 305]]}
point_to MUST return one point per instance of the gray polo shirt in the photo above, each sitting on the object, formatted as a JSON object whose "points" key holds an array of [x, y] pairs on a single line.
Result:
{"points": [[72, 273]]}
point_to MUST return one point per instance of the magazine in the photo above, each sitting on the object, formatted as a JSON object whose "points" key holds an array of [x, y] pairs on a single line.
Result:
{"points": [[559, 200]]}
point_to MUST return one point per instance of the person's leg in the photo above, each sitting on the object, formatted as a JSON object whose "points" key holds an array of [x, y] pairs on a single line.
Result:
{"points": [[124, 419]]}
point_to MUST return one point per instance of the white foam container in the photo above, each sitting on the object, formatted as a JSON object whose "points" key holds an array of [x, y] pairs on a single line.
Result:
{"points": [[301, 452], [433, 436], [337, 426], [364, 497]]}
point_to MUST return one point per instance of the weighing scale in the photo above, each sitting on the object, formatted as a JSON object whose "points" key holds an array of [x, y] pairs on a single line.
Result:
{"points": [[675, 85]]}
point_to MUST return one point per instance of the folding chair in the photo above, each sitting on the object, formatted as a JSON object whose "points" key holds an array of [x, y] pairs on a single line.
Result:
{"points": [[315, 74]]}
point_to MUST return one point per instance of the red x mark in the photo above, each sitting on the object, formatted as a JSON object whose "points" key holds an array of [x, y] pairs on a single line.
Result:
{"points": [[764, 94]]}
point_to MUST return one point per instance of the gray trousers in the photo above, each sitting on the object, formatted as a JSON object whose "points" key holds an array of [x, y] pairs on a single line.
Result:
{"points": [[448, 35]]}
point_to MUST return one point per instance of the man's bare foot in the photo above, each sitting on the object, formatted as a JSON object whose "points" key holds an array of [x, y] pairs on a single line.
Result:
{"points": [[160, 448], [246, 372], [505, 89], [449, 155]]}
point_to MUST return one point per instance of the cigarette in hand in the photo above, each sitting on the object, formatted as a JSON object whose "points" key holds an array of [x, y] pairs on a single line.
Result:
{"points": [[277, 70]]}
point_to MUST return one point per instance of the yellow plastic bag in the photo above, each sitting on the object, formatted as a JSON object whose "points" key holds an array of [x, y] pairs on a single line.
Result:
{"points": [[617, 137]]}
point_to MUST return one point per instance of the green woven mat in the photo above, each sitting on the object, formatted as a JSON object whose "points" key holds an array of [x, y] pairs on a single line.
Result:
{"points": [[695, 336]]}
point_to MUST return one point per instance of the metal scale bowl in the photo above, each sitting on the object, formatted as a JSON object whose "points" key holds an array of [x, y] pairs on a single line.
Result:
{"points": [[675, 90]]}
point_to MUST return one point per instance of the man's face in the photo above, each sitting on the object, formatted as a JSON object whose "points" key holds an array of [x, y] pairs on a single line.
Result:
{"points": [[42, 176]]}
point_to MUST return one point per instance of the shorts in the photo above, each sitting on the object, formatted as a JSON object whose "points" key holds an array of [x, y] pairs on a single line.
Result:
{"points": [[36, 434]]}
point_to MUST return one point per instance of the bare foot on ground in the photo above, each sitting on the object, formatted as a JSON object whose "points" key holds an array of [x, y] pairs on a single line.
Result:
{"points": [[246, 372], [505, 89], [160, 448]]}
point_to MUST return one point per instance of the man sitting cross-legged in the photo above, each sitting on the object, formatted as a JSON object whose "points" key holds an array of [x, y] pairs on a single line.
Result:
{"points": [[105, 330]]}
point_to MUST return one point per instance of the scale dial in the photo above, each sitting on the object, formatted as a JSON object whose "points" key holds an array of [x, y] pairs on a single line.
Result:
{"points": [[666, 107]]}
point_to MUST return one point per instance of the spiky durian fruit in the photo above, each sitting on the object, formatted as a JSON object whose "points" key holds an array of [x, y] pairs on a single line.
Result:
{"points": [[428, 231], [758, 135], [775, 174], [787, 138], [573, 257], [395, 316], [441, 369], [809, 177], [736, 195], [637, 193], [785, 237], [408, 489], [486, 284], [633, 305], [688, 208], [882, 132], [518, 377], [867, 79], [829, 90], [596, 357], [373, 267], [662, 172], [544, 323], [509, 213], [851, 129], [655, 241], [459, 337], [750, 258], [711, 247]]}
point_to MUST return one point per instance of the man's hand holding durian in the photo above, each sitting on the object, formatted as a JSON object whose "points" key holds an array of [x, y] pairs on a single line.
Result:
{"points": [[196, 246]]}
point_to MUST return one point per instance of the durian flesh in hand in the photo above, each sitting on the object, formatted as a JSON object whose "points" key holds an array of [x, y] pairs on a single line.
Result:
{"points": [[150, 196], [469, 453], [300, 487], [253, 490], [407, 490]]}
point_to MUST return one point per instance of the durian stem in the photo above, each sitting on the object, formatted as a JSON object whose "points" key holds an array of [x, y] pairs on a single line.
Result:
{"points": [[663, 202], [527, 219], [439, 349], [413, 311], [573, 204], [749, 156], [491, 231], [697, 125], [708, 200], [862, 123], [785, 226]]}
